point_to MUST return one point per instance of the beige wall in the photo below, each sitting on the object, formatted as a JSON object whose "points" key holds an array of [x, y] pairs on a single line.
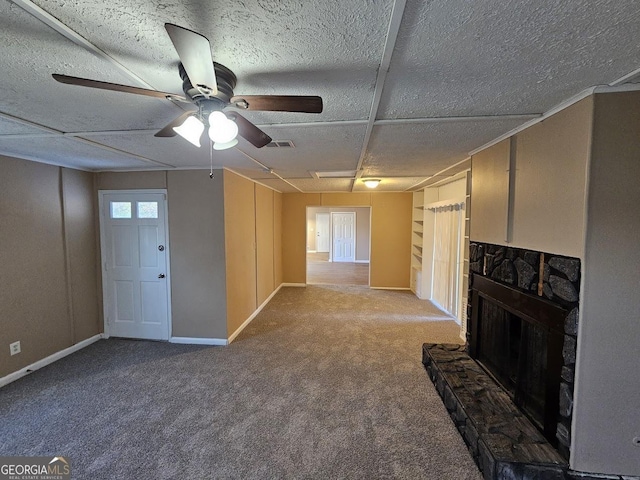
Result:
{"points": [[277, 239], [390, 234], [547, 188], [363, 226], [265, 261], [549, 197], [197, 253], [390, 239], [48, 296], [606, 418], [240, 242], [490, 194]]}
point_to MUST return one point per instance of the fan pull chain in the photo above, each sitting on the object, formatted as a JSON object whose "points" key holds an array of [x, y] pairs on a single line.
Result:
{"points": [[211, 158]]}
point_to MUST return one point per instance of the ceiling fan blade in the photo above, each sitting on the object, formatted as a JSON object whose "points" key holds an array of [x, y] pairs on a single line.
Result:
{"points": [[168, 131], [279, 103], [115, 87], [194, 51], [249, 131]]}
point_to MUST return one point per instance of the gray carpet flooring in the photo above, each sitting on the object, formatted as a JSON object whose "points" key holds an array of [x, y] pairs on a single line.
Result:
{"points": [[325, 383]]}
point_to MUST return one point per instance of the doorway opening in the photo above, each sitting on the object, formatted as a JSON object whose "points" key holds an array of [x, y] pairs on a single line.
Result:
{"points": [[338, 245]]}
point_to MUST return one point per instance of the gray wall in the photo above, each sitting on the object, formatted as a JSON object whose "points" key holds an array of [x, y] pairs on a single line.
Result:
{"points": [[48, 285], [196, 242], [196, 230], [606, 417]]}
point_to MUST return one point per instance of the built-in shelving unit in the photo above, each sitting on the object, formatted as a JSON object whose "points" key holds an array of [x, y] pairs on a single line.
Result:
{"points": [[417, 227], [456, 190]]}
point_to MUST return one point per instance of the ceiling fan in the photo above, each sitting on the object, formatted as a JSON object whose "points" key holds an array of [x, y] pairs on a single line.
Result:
{"points": [[209, 86]]}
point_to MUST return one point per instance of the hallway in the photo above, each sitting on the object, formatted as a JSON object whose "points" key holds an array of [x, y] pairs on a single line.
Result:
{"points": [[322, 272]]}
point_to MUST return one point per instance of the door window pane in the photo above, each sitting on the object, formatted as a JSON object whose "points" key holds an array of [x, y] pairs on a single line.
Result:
{"points": [[147, 209], [120, 209]]}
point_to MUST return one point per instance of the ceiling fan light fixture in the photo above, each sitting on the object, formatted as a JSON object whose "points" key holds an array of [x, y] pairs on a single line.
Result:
{"points": [[191, 130], [224, 146], [221, 129], [371, 182]]}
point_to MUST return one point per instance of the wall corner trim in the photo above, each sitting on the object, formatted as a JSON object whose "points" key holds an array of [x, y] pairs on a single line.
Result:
{"points": [[199, 341], [233, 336], [12, 377]]}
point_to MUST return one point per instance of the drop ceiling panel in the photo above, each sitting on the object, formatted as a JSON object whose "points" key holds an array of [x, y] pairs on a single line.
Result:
{"points": [[322, 184], [68, 152], [317, 148], [9, 127], [506, 57], [425, 149]]}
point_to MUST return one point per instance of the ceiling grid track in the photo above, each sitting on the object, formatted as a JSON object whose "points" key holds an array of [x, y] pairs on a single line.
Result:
{"points": [[268, 169], [390, 43]]}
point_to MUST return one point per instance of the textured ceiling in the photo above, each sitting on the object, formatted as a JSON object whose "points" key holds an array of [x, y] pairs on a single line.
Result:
{"points": [[391, 77]]}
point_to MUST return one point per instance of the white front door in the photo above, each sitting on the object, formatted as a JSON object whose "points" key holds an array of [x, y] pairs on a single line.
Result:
{"points": [[344, 236], [322, 232], [134, 264]]}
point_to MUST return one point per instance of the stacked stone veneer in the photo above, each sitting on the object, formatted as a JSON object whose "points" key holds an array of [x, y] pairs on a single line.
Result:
{"points": [[553, 277]]}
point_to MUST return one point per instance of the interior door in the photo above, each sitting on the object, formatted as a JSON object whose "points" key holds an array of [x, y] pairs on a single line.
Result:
{"points": [[344, 236], [134, 264], [322, 232]]}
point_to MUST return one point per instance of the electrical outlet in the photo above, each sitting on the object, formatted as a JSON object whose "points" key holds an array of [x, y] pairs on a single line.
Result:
{"points": [[14, 348]]}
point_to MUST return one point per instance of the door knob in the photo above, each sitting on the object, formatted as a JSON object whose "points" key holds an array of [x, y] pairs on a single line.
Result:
{"points": [[161, 247], [161, 275]]}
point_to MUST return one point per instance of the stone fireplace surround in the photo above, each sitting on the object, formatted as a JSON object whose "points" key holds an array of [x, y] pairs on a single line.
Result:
{"points": [[502, 440]]}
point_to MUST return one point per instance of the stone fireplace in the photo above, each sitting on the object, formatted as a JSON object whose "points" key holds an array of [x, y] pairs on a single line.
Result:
{"points": [[510, 388], [523, 330]]}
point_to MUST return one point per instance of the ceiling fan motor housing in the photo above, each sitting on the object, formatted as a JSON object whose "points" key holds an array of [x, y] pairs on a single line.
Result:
{"points": [[225, 79]]}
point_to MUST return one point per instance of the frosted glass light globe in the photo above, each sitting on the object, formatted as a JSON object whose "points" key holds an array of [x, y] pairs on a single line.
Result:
{"points": [[221, 129]]}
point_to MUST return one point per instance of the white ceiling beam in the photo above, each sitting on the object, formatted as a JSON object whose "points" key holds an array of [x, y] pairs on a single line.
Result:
{"points": [[392, 36], [625, 78]]}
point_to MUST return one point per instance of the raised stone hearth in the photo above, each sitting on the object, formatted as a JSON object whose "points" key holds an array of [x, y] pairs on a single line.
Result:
{"points": [[503, 442]]}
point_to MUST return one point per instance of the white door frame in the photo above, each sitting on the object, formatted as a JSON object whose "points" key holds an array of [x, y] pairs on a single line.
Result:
{"points": [[101, 195]]}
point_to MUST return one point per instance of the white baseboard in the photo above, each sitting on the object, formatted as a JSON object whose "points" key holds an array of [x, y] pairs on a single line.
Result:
{"points": [[199, 341], [12, 377], [311, 251], [362, 261], [233, 336], [391, 288], [293, 285]]}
